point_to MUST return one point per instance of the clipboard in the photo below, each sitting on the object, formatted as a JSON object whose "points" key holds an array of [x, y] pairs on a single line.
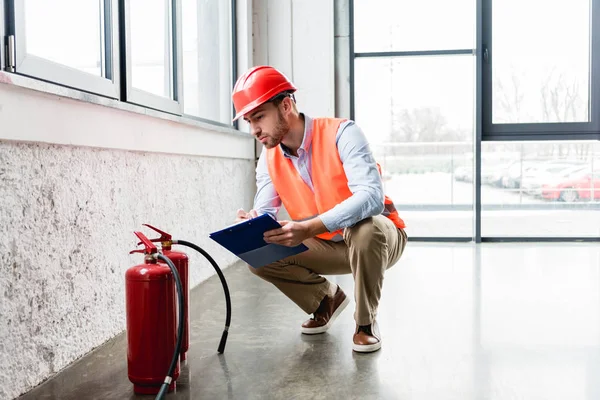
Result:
{"points": [[245, 240]]}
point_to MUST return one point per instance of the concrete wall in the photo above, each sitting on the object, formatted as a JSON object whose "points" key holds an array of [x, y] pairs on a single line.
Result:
{"points": [[76, 179]]}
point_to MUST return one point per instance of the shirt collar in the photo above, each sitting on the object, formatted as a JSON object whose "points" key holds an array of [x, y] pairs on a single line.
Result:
{"points": [[306, 140]]}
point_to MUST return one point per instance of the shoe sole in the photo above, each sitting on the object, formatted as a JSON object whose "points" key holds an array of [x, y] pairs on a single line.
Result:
{"points": [[324, 328], [368, 348]]}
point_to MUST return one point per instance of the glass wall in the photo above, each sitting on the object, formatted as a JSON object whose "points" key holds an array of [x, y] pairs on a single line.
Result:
{"points": [[414, 98], [541, 189], [426, 84], [418, 115]]}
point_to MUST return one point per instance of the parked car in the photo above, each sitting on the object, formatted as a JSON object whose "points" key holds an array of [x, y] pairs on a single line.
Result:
{"points": [[584, 186], [464, 174], [511, 179], [536, 177], [492, 175]]}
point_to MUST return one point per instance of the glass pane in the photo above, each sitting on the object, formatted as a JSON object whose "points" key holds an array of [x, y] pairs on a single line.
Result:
{"points": [[207, 81], [403, 25], [541, 61], [53, 33], [418, 116], [150, 48], [540, 189]]}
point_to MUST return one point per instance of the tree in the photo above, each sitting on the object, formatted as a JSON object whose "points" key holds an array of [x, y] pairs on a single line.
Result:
{"points": [[508, 99], [560, 101], [419, 125]]}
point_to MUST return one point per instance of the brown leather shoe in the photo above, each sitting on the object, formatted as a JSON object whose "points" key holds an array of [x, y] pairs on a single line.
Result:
{"points": [[367, 339], [328, 311]]}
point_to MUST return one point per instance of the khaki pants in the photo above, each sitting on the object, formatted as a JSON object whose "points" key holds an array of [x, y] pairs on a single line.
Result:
{"points": [[369, 248]]}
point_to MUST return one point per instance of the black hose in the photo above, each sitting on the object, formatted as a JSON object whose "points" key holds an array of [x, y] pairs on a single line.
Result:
{"points": [[165, 386], [221, 348]]}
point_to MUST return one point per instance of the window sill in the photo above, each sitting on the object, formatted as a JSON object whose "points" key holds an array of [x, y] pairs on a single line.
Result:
{"points": [[118, 129], [75, 94]]}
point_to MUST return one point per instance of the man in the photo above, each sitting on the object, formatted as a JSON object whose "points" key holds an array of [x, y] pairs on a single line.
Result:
{"points": [[323, 172]]}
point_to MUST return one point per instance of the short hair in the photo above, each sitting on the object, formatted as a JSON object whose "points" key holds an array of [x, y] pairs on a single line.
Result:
{"points": [[278, 99]]}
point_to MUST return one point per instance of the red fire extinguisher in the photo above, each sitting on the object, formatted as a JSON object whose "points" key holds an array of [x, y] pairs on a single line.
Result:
{"points": [[153, 334], [180, 259]]}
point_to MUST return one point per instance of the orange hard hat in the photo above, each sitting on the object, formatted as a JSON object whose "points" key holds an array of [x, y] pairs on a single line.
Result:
{"points": [[257, 86]]}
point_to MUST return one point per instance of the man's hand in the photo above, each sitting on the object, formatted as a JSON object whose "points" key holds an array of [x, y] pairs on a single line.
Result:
{"points": [[293, 233], [243, 215], [290, 234]]}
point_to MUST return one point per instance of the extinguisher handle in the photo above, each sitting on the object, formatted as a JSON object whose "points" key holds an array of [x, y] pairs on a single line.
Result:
{"points": [[150, 248], [164, 236]]}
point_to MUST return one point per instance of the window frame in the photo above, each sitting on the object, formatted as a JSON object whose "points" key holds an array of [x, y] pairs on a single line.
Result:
{"points": [[4, 36], [131, 94], [40, 68], [545, 130]]}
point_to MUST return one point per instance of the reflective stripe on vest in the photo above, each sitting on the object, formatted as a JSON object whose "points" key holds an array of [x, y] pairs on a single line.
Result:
{"points": [[328, 178]]}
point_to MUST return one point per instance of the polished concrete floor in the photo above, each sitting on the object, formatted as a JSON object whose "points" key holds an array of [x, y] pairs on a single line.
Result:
{"points": [[459, 321]]}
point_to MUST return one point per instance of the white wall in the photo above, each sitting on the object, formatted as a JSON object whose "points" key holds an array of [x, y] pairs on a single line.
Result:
{"points": [[70, 200], [297, 37], [342, 58]]}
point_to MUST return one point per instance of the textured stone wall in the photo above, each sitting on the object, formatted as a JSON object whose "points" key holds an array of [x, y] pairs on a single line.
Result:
{"points": [[67, 218]]}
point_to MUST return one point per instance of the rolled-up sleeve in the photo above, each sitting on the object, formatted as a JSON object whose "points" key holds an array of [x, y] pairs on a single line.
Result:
{"points": [[364, 180], [266, 200]]}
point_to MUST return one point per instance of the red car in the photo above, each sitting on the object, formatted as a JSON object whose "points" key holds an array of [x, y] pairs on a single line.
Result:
{"points": [[573, 188]]}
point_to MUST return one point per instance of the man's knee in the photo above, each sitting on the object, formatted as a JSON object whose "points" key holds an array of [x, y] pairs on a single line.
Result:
{"points": [[266, 270], [364, 233], [260, 272]]}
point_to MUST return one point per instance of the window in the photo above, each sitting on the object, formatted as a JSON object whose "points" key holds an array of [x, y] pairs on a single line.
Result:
{"points": [[541, 67], [525, 107], [207, 64], [3, 33], [417, 113], [413, 95], [152, 64], [77, 52], [541, 74], [540, 189], [175, 56], [409, 25]]}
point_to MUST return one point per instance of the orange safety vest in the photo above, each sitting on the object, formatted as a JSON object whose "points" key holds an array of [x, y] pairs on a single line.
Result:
{"points": [[328, 177]]}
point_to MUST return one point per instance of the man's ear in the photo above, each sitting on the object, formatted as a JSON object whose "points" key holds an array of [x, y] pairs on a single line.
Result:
{"points": [[287, 105]]}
